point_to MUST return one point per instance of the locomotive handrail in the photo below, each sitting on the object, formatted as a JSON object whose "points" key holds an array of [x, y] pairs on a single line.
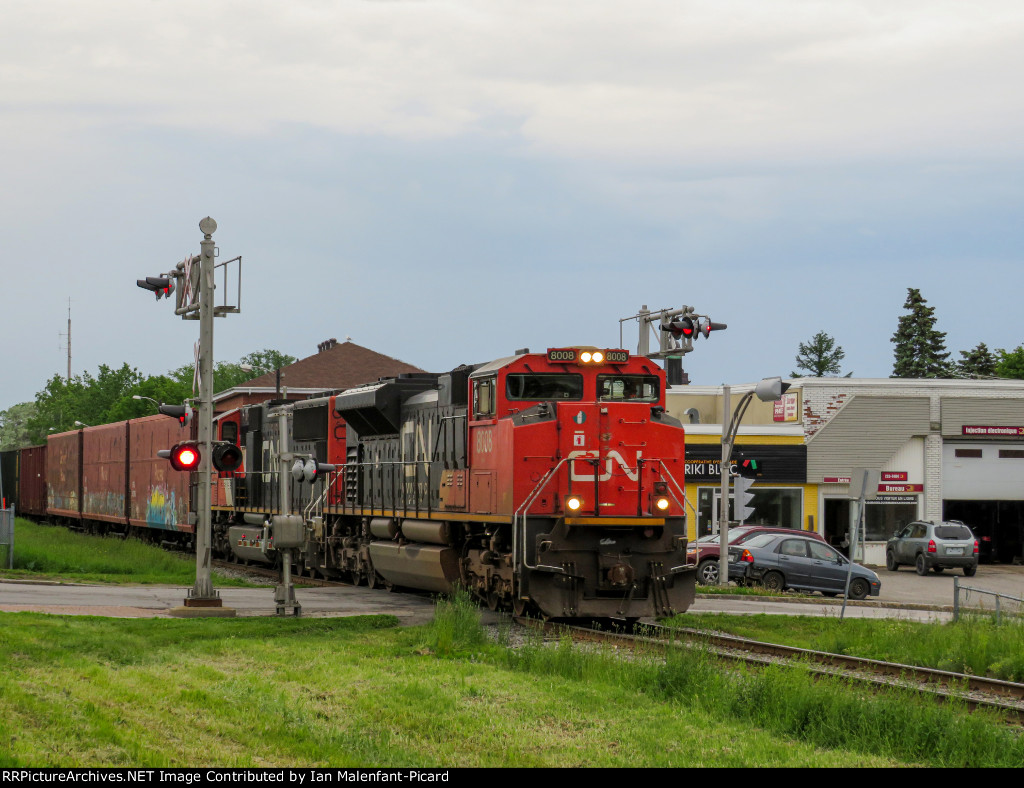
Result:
{"points": [[378, 479], [313, 504], [686, 501], [523, 507]]}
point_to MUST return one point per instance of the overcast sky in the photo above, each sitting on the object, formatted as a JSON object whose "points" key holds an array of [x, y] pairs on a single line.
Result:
{"points": [[445, 182]]}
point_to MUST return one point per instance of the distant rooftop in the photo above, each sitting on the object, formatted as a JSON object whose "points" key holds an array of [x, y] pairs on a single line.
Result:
{"points": [[334, 366]]}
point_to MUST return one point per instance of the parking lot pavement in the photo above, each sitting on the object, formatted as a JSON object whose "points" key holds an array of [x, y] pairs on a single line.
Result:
{"points": [[905, 594], [905, 585]]}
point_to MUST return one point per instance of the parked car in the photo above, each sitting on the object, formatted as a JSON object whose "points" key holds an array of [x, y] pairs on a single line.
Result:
{"points": [[706, 550], [781, 561], [937, 546]]}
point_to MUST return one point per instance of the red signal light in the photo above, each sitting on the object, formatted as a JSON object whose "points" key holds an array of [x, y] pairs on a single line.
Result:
{"points": [[182, 456]]}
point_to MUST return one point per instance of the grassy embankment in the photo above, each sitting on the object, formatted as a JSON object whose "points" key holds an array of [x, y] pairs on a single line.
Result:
{"points": [[362, 692], [56, 553], [975, 645], [365, 692]]}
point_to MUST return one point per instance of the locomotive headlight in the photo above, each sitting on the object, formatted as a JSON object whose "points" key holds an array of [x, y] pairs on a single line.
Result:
{"points": [[586, 356], [661, 503], [573, 503], [597, 356]]}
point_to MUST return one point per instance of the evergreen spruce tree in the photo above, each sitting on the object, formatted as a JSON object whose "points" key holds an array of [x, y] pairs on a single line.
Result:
{"points": [[920, 349], [977, 363], [819, 357]]}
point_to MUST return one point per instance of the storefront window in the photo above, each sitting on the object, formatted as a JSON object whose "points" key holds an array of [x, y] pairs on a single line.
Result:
{"points": [[779, 506], [882, 518]]}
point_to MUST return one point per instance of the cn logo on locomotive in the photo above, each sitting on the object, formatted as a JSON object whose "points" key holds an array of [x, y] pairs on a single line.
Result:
{"points": [[613, 456]]}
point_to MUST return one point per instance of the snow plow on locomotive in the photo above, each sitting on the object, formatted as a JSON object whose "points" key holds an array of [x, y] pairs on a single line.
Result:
{"points": [[546, 482]]}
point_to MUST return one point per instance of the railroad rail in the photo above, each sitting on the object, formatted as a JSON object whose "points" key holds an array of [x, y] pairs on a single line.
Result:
{"points": [[974, 691], [274, 573]]}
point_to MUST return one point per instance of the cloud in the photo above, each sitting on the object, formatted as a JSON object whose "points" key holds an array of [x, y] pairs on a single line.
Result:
{"points": [[702, 80]]}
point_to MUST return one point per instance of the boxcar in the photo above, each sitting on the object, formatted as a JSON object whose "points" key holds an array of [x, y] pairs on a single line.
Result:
{"points": [[104, 473], [32, 481]]}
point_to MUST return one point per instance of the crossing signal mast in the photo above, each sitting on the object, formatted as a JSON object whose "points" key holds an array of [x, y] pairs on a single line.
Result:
{"points": [[675, 332], [192, 280]]}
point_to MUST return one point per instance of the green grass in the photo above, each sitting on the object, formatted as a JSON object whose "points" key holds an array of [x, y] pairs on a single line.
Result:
{"points": [[54, 552], [975, 645], [350, 692]]}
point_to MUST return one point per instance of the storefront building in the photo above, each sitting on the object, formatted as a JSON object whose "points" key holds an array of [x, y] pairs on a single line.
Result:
{"points": [[946, 449]]}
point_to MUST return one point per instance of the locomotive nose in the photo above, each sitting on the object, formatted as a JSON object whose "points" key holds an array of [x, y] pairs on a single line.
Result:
{"points": [[621, 575]]}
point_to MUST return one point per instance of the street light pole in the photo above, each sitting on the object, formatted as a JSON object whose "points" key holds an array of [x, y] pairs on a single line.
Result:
{"points": [[767, 390], [723, 504]]}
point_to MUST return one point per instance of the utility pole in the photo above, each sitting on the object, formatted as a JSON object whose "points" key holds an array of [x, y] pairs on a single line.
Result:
{"points": [[68, 335]]}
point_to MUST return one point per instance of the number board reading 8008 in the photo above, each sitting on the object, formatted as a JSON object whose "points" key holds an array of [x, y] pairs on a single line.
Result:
{"points": [[564, 355]]}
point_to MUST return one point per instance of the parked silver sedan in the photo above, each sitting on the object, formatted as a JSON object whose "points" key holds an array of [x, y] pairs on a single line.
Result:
{"points": [[927, 545], [779, 562]]}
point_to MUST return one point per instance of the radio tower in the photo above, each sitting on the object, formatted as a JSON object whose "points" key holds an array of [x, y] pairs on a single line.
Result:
{"points": [[69, 338]]}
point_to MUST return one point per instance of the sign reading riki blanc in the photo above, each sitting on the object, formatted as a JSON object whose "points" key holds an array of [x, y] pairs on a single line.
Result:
{"points": [[1013, 432]]}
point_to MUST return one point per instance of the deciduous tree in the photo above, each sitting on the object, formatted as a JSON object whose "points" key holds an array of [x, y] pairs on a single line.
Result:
{"points": [[1011, 363]]}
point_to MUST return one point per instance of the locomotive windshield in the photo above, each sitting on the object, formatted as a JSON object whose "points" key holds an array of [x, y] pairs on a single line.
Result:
{"points": [[541, 386], [635, 388]]}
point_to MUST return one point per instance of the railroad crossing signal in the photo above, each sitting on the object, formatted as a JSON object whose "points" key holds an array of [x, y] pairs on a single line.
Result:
{"points": [[160, 285], [183, 456], [311, 470], [183, 413], [683, 330], [226, 456], [186, 456], [678, 329]]}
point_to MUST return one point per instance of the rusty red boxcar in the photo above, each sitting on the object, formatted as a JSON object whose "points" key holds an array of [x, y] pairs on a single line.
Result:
{"points": [[32, 481], [158, 495], [64, 475], [104, 473]]}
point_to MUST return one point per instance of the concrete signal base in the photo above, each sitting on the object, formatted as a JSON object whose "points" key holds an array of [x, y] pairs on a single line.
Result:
{"points": [[202, 608]]}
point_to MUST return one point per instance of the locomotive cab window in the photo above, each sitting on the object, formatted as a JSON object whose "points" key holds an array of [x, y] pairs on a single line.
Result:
{"points": [[483, 398], [544, 386], [632, 388]]}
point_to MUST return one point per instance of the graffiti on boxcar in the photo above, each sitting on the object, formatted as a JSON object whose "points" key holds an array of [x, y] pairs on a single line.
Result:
{"points": [[108, 503], [161, 508]]}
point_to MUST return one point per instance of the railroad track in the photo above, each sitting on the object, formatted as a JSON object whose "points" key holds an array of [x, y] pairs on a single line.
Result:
{"points": [[271, 573], [975, 692]]}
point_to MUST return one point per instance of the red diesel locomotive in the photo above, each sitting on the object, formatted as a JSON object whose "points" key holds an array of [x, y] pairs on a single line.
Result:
{"points": [[546, 482]]}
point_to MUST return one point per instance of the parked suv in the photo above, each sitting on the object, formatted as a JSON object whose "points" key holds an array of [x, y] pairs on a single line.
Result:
{"points": [[706, 550], [927, 545]]}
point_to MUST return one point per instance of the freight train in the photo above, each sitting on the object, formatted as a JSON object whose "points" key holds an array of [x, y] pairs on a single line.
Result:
{"points": [[549, 483]]}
